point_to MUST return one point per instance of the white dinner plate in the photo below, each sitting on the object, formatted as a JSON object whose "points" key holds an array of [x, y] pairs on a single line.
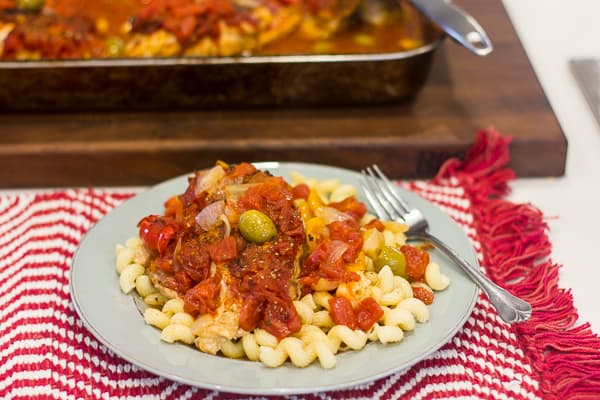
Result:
{"points": [[113, 319]]}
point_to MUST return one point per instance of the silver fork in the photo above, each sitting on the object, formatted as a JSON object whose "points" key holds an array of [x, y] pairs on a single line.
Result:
{"points": [[388, 204]]}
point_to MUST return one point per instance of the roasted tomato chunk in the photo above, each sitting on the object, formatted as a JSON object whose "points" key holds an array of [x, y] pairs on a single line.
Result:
{"points": [[340, 309], [368, 312]]}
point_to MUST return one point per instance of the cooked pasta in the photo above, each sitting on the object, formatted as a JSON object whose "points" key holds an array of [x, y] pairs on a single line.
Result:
{"points": [[434, 277], [232, 349], [143, 285], [155, 299], [124, 257], [416, 307], [128, 277], [400, 317], [388, 333], [177, 332], [351, 287], [156, 318], [173, 306], [305, 312], [250, 347]]}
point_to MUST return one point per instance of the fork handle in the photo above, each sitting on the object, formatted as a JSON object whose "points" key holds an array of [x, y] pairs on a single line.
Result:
{"points": [[509, 307]]}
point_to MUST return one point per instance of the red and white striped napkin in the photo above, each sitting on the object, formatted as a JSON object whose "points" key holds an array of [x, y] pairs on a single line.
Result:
{"points": [[46, 352]]}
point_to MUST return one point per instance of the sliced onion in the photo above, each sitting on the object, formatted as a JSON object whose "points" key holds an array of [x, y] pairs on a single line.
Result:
{"points": [[337, 248], [231, 212], [225, 220], [234, 192], [176, 254], [208, 180], [330, 214], [209, 214]]}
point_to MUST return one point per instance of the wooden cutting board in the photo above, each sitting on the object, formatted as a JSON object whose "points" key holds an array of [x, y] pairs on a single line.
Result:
{"points": [[410, 140]]}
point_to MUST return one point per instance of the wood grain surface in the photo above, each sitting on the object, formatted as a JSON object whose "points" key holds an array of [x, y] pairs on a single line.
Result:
{"points": [[464, 93]]}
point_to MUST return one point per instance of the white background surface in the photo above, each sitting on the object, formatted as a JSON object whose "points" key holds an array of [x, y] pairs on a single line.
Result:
{"points": [[553, 32]]}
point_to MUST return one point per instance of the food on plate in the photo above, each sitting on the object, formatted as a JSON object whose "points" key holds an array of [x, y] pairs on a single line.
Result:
{"points": [[247, 265], [76, 29]]}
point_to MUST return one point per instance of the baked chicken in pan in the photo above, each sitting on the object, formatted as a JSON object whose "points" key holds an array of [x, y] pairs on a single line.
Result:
{"points": [[79, 29]]}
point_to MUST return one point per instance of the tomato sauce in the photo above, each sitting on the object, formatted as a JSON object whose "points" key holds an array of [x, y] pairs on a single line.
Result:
{"points": [[83, 29], [192, 261], [213, 265], [267, 270]]}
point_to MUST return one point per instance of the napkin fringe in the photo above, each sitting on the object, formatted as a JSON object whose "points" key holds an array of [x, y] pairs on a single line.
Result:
{"points": [[516, 251]]}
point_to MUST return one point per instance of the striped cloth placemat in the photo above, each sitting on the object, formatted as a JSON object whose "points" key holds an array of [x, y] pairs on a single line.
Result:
{"points": [[46, 352]]}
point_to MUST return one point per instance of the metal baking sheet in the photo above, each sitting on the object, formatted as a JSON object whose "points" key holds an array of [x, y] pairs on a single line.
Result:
{"points": [[261, 81], [218, 82]]}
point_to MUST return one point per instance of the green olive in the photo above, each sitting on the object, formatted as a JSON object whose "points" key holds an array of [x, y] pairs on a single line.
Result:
{"points": [[114, 46], [393, 258], [30, 5], [256, 227]]}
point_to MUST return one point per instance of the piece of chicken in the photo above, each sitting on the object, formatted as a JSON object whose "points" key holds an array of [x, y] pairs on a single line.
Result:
{"points": [[325, 17], [203, 252], [230, 27], [210, 27], [41, 36]]}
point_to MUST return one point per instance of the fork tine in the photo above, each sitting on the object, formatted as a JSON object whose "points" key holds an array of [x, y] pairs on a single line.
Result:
{"points": [[390, 189], [391, 211], [370, 189], [395, 210]]}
